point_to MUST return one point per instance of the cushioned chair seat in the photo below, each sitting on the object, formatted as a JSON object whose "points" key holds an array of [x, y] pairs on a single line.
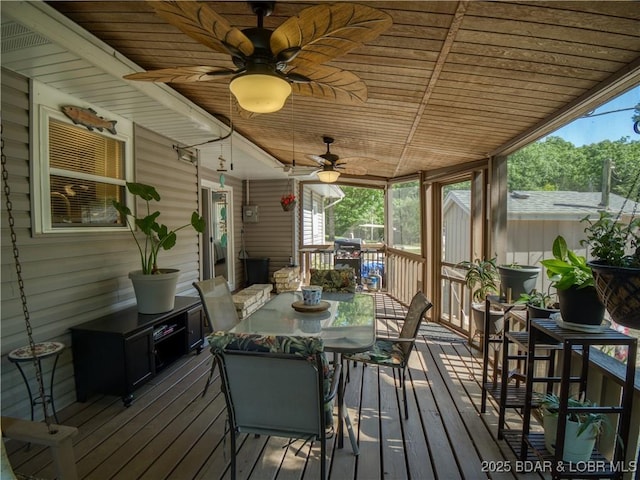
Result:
{"points": [[383, 352], [277, 386], [301, 346]]}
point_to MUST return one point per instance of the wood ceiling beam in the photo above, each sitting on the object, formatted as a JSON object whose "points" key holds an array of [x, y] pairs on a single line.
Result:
{"points": [[435, 76]]}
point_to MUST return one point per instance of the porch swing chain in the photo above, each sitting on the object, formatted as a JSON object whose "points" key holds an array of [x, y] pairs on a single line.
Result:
{"points": [[23, 297]]}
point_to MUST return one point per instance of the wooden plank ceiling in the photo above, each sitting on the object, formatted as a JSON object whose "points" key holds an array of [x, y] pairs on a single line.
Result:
{"points": [[448, 83]]}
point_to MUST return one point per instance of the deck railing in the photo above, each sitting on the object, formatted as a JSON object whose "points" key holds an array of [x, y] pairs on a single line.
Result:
{"points": [[401, 272], [455, 300], [404, 273], [372, 259]]}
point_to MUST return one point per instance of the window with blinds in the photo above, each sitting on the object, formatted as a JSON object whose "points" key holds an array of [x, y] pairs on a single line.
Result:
{"points": [[86, 173]]}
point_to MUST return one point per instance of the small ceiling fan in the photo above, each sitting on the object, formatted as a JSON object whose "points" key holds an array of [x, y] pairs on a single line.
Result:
{"points": [[332, 166], [270, 64]]}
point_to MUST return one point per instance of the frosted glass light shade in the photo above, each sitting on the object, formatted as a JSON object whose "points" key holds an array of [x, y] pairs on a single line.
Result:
{"points": [[260, 93], [328, 176]]}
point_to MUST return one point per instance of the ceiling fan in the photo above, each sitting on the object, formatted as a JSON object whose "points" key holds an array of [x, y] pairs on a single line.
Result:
{"points": [[271, 63], [332, 166]]}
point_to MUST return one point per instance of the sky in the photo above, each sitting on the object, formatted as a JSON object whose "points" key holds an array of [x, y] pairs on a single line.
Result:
{"points": [[610, 126]]}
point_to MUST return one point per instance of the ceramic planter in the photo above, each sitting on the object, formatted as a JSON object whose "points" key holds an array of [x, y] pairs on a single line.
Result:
{"points": [[496, 322], [619, 290], [577, 448], [514, 281], [581, 306], [155, 293]]}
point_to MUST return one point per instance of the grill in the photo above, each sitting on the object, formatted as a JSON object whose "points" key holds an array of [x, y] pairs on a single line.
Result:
{"points": [[348, 253]]}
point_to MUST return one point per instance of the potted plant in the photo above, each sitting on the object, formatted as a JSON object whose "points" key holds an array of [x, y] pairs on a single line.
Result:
{"points": [[581, 430], [615, 246], [154, 287], [288, 201], [517, 279], [539, 304], [573, 280], [482, 279]]}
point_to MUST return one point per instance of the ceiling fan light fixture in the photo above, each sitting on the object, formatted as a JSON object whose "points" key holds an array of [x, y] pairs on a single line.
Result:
{"points": [[261, 91], [328, 176]]}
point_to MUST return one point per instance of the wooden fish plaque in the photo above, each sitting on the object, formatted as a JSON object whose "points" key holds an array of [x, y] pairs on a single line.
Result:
{"points": [[89, 118]]}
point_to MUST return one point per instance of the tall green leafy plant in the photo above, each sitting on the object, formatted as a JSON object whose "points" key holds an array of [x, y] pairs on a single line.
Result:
{"points": [[481, 277], [567, 269], [157, 236]]}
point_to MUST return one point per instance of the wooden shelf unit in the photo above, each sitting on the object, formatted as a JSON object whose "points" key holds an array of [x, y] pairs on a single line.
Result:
{"points": [[571, 343]]}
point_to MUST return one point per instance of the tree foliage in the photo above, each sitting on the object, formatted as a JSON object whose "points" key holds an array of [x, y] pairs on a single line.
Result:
{"points": [[359, 206], [555, 164]]}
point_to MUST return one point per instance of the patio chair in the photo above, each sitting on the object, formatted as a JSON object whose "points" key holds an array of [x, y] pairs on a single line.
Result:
{"points": [[277, 386], [334, 280], [394, 352], [219, 309]]}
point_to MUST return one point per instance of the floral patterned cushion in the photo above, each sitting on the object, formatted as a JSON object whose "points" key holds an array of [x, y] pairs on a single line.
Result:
{"points": [[336, 280], [300, 346], [383, 352]]}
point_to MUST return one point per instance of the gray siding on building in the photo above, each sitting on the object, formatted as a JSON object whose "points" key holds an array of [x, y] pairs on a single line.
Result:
{"points": [[73, 278], [273, 235]]}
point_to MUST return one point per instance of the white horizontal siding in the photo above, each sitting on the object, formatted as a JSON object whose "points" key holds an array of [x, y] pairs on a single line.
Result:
{"points": [[73, 278]]}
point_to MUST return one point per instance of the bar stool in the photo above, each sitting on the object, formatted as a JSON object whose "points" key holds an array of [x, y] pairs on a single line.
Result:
{"points": [[42, 350]]}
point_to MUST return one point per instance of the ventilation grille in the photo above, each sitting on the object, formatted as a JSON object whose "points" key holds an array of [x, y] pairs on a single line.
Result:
{"points": [[16, 37]]}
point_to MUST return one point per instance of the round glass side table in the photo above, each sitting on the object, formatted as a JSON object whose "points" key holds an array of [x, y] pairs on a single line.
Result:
{"points": [[42, 350]]}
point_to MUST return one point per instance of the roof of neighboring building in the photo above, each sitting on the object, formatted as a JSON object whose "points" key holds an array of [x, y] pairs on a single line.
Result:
{"points": [[534, 204]]}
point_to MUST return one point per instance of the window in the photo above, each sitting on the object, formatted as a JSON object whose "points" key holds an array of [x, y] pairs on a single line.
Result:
{"points": [[404, 216], [332, 212], [77, 172]]}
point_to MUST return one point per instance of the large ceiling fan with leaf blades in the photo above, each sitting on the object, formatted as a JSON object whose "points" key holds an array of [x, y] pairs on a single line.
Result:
{"points": [[289, 58]]}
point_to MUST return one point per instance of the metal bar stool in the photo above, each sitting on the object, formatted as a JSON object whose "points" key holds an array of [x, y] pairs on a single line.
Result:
{"points": [[42, 350]]}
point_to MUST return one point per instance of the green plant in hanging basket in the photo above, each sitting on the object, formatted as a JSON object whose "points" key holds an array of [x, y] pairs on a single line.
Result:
{"points": [[156, 236], [612, 241], [615, 246]]}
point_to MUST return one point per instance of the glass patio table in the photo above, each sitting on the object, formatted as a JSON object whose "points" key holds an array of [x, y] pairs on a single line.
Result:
{"points": [[346, 326]]}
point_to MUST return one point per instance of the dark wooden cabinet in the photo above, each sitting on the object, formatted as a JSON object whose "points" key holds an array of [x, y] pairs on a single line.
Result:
{"points": [[119, 352]]}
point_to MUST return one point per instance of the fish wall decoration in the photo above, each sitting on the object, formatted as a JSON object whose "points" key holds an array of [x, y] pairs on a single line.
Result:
{"points": [[89, 118]]}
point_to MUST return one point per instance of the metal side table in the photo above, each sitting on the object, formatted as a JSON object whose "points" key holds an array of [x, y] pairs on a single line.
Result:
{"points": [[42, 350]]}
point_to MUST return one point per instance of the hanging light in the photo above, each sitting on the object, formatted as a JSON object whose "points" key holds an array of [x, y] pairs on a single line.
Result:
{"points": [[328, 175], [260, 89]]}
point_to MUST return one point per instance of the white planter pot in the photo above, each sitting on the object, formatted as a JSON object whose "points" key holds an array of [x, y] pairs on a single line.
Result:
{"points": [[576, 448], [155, 293], [496, 319]]}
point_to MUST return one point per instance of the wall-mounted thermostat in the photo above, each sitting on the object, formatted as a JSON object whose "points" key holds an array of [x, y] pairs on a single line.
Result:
{"points": [[250, 213]]}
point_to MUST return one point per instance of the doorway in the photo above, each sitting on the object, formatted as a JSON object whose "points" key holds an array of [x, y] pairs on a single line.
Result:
{"points": [[217, 210]]}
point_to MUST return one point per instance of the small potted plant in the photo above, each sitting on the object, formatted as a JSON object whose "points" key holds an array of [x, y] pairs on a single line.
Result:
{"points": [[615, 246], [154, 287], [581, 431], [539, 304], [573, 280], [482, 279]]}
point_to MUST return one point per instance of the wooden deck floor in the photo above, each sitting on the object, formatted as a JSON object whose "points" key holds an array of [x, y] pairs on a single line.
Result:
{"points": [[170, 432]]}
